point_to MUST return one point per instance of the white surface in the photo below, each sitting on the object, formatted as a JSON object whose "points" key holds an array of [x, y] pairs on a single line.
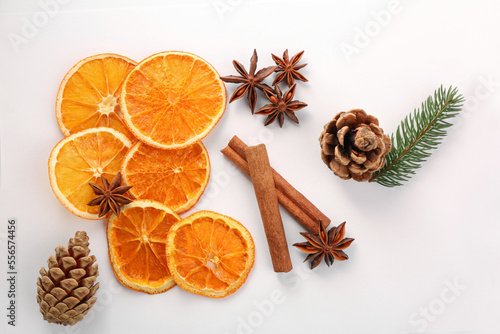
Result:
{"points": [[412, 242]]}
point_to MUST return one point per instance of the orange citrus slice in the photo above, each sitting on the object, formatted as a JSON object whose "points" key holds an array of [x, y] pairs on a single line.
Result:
{"points": [[88, 94], [172, 99], [82, 158], [210, 254], [176, 178], [136, 246]]}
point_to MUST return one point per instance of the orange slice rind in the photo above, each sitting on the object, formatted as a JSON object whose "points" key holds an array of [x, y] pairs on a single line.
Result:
{"points": [[136, 246], [81, 158], [172, 99], [176, 178], [88, 94], [210, 254]]}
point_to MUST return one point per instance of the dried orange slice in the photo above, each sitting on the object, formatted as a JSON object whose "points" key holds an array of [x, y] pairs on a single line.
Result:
{"points": [[172, 99], [82, 158], [136, 246], [210, 254], [88, 94], [176, 178]]}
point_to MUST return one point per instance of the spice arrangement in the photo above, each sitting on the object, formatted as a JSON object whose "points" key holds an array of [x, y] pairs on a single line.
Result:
{"points": [[306, 213], [249, 80], [133, 155], [166, 131], [270, 189], [281, 104]]}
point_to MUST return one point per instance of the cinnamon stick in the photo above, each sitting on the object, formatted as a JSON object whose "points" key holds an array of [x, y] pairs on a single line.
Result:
{"points": [[287, 203], [265, 191], [302, 209]]}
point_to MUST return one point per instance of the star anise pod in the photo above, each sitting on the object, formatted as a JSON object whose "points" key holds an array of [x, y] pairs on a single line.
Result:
{"points": [[110, 196], [288, 68], [325, 245], [249, 80], [280, 106]]}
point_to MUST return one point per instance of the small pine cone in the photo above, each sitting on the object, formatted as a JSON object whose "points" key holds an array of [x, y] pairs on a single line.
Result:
{"points": [[65, 292], [353, 145]]}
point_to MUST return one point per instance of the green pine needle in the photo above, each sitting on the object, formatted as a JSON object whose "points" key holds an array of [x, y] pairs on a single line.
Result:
{"points": [[417, 135]]}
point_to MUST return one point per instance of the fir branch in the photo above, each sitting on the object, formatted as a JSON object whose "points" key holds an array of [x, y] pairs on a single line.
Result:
{"points": [[417, 135]]}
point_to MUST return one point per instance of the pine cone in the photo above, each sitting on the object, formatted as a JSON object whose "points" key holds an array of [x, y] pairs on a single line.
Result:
{"points": [[66, 291], [353, 145]]}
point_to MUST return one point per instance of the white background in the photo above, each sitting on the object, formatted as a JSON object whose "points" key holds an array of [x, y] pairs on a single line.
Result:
{"points": [[440, 229]]}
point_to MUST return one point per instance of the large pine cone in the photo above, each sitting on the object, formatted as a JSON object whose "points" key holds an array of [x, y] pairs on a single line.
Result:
{"points": [[66, 291], [353, 145]]}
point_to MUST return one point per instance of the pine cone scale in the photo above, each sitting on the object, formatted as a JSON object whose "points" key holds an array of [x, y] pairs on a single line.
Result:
{"points": [[341, 156], [341, 135], [78, 251], [93, 270], [62, 308], [59, 293], [71, 302], [339, 170], [358, 158], [91, 302], [52, 262], [365, 140], [56, 274], [376, 129], [77, 274], [51, 299], [46, 283], [68, 263], [69, 284], [88, 282], [346, 119]]}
